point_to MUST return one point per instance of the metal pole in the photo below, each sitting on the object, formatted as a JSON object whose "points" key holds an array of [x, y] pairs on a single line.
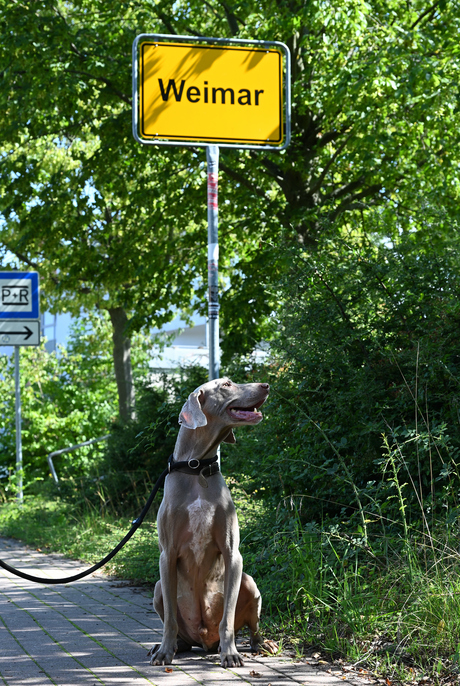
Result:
{"points": [[212, 158], [18, 424]]}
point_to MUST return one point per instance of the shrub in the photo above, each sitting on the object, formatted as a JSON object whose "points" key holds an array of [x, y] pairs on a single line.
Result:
{"points": [[366, 344]]}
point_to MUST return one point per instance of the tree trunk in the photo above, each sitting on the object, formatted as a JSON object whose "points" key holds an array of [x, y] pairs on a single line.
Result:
{"points": [[122, 364]]}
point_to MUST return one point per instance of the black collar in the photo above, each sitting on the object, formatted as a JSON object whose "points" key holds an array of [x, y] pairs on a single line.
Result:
{"points": [[200, 468]]}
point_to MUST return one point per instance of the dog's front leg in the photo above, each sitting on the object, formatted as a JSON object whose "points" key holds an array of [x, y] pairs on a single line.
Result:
{"points": [[168, 576], [229, 656]]}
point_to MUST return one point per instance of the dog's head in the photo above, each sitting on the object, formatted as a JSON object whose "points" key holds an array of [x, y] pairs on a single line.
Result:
{"points": [[225, 403]]}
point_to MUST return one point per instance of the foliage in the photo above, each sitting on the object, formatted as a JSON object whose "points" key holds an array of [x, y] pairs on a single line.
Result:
{"points": [[67, 397], [105, 221], [137, 452], [326, 592], [326, 249], [375, 118], [323, 590], [366, 344], [148, 442], [348, 489]]}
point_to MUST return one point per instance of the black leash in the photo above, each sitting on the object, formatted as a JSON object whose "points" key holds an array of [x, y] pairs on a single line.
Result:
{"points": [[172, 466]]}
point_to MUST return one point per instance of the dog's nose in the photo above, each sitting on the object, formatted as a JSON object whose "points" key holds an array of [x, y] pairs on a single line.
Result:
{"points": [[266, 386]]}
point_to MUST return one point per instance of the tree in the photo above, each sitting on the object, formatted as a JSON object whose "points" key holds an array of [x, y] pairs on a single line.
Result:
{"points": [[375, 118], [374, 108], [97, 244], [106, 222]]}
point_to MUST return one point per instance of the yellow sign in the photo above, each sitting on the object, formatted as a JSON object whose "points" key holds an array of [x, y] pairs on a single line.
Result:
{"points": [[210, 93]]}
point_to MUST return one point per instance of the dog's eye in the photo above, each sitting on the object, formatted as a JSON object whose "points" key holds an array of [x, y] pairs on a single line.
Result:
{"points": [[227, 383]]}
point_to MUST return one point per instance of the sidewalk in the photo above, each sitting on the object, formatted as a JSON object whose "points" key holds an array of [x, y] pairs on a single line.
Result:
{"points": [[98, 631]]}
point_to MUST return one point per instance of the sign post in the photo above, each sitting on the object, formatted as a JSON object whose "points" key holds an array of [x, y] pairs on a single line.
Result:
{"points": [[212, 158], [17, 391], [19, 325], [211, 92]]}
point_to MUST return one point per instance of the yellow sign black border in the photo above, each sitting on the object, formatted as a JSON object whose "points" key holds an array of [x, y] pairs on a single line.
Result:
{"points": [[147, 40]]}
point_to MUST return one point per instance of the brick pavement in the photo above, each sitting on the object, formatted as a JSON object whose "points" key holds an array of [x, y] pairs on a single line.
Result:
{"points": [[97, 631]]}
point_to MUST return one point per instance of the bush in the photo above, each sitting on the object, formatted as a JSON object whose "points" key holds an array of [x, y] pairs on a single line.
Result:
{"points": [[366, 346], [67, 397], [137, 451]]}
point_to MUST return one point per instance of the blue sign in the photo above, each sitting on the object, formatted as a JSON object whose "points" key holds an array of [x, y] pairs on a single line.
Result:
{"points": [[19, 295]]}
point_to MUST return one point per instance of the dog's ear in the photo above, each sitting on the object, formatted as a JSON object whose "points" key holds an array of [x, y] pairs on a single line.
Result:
{"points": [[230, 437], [192, 416]]}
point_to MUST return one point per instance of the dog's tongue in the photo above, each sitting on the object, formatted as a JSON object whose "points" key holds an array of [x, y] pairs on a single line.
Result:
{"points": [[245, 414]]}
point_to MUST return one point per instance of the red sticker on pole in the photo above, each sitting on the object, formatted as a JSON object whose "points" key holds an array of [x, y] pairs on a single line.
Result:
{"points": [[212, 191]]}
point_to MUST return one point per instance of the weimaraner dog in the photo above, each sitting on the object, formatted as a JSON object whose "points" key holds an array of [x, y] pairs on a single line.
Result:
{"points": [[203, 596]]}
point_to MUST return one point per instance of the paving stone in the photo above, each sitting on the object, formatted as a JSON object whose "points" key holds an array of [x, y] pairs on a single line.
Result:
{"points": [[97, 632]]}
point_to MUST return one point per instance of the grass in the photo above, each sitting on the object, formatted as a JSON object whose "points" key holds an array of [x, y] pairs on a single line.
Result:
{"points": [[54, 526], [86, 532], [400, 624]]}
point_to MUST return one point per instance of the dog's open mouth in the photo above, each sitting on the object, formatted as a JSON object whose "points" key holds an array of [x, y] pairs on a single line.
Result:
{"points": [[247, 414]]}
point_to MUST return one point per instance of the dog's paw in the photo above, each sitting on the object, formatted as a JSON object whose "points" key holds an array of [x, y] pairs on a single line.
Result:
{"points": [[153, 650], [162, 658], [258, 645], [270, 647], [231, 659], [159, 655]]}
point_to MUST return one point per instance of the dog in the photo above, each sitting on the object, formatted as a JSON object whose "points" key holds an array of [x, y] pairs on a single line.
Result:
{"points": [[203, 596]]}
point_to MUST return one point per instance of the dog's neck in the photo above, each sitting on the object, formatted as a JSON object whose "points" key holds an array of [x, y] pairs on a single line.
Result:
{"points": [[199, 443]]}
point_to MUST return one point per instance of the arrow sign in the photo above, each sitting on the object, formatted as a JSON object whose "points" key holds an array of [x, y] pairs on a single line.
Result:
{"points": [[19, 332]]}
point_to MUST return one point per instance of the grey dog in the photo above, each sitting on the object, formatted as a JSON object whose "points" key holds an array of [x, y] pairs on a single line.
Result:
{"points": [[203, 597]]}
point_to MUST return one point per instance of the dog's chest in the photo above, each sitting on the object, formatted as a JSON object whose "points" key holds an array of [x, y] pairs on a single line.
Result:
{"points": [[201, 515]]}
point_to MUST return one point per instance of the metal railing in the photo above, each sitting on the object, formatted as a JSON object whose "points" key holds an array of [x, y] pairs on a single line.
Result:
{"points": [[55, 453]]}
